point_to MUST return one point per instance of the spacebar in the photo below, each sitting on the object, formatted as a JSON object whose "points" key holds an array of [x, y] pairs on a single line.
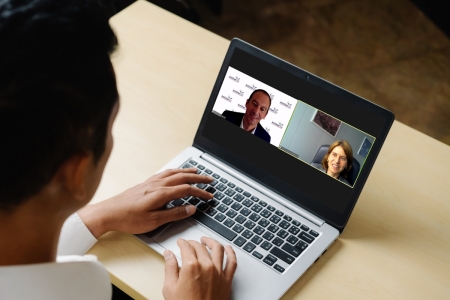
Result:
{"points": [[214, 225]]}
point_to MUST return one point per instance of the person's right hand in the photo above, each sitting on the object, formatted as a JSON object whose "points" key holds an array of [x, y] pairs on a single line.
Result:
{"points": [[201, 276]]}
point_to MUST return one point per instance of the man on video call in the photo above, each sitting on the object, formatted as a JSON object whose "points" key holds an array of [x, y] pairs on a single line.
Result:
{"points": [[58, 103], [257, 107]]}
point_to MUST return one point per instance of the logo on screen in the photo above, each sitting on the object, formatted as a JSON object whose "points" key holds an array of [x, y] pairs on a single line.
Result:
{"points": [[278, 124], [241, 106], [235, 78], [252, 87], [240, 93], [274, 110], [271, 96], [227, 98], [287, 104], [267, 129]]}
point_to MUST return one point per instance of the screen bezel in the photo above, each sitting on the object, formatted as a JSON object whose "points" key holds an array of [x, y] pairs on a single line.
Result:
{"points": [[329, 215]]}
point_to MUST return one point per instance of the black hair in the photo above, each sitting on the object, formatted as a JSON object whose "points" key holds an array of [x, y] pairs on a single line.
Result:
{"points": [[57, 89], [263, 91]]}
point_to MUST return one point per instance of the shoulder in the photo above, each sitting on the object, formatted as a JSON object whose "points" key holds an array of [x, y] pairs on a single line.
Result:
{"points": [[342, 179], [262, 133], [229, 113], [318, 166]]}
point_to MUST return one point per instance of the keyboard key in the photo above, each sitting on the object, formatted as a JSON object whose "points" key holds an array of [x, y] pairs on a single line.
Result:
{"points": [[304, 227], [302, 245], [273, 228], [236, 206], [254, 217], [221, 187], [271, 208], [296, 223], [186, 198], [256, 208], [291, 250], [211, 211], [279, 213], [201, 185], [238, 228], [230, 192], [239, 190], [266, 245], [268, 261], [275, 219], [268, 236], [202, 206], [254, 199], [220, 217], [201, 167], [213, 183], [194, 201], [177, 202], [249, 224], [208, 171], [213, 202], [245, 211], [258, 230], [222, 208], [238, 197], [210, 189], [249, 247], [247, 202], [219, 196], [278, 242], [199, 171], [282, 234], [256, 239], [246, 194], [216, 176], [282, 255], [239, 241], [263, 222], [214, 225], [306, 237], [313, 233], [294, 230], [262, 203], [257, 255], [265, 213], [284, 224], [287, 218], [240, 219], [231, 213], [231, 185], [247, 234], [292, 239], [223, 180], [186, 166], [279, 268], [229, 222], [227, 201], [193, 162]]}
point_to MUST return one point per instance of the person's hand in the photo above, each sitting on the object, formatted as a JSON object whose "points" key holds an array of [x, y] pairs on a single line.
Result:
{"points": [[142, 208], [201, 276]]}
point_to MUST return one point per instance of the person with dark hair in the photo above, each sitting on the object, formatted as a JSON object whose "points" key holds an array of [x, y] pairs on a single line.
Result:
{"points": [[58, 103], [257, 107], [338, 161]]}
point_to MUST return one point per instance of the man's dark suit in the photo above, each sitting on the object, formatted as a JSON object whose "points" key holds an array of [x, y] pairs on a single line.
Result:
{"points": [[236, 119]]}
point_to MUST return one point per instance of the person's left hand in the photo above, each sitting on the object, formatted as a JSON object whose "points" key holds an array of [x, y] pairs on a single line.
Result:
{"points": [[142, 208]]}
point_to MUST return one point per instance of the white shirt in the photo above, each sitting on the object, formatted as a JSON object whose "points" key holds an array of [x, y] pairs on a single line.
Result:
{"points": [[242, 126], [73, 276]]}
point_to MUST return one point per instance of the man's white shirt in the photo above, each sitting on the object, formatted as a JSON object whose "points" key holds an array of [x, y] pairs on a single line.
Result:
{"points": [[73, 276], [242, 126]]}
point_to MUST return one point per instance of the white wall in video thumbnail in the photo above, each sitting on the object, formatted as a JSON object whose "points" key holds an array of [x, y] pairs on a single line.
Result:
{"points": [[235, 90]]}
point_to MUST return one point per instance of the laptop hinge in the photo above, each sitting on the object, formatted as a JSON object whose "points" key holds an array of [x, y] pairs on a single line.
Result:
{"points": [[262, 189]]}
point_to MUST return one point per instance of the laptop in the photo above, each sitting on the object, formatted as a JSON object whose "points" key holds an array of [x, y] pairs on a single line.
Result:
{"points": [[283, 191]]}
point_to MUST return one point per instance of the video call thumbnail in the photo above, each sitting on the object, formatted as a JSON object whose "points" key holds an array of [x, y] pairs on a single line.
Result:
{"points": [[325, 143]]}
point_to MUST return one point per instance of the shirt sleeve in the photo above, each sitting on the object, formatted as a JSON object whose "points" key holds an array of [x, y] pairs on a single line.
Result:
{"points": [[75, 237]]}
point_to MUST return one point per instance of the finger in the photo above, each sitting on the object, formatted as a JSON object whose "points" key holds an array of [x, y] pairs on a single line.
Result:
{"points": [[187, 252], [216, 251], [172, 214], [171, 269], [164, 195], [170, 172], [231, 264], [183, 178], [202, 253]]}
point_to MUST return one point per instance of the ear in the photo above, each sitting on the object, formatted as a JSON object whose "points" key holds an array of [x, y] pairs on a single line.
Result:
{"points": [[73, 174]]}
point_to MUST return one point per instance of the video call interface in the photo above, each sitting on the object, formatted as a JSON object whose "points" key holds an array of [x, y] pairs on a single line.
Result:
{"points": [[319, 149]]}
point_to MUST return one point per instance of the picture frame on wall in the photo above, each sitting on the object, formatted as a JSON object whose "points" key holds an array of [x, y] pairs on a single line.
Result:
{"points": [[365, 147], [327, 123]]}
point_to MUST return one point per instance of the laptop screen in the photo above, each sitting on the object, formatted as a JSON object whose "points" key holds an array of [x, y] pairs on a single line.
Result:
{"points": [[314, 140]]}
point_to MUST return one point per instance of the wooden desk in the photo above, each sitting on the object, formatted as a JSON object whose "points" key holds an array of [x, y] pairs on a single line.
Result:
{"points": [[397, 242]]}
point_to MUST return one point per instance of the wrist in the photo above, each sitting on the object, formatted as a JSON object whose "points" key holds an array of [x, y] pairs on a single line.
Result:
{"points": [[94, 219]]}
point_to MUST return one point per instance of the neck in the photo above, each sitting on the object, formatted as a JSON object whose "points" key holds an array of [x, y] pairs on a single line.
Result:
{"points": [[334, 175], [248, 127], [30, 233]]}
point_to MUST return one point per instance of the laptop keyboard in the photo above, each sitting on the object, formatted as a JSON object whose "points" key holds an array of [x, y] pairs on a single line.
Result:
{"points": [[262, 230]]}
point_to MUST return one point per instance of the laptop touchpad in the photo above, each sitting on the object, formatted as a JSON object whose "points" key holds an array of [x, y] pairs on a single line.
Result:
{"points": [[181, 229]]}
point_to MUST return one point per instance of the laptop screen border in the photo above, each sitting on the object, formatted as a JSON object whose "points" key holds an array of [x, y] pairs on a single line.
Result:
{"points": [[316, 207]]}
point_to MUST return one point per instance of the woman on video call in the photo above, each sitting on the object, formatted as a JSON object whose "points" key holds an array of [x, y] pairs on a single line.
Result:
{"points": [[338, 161]]}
